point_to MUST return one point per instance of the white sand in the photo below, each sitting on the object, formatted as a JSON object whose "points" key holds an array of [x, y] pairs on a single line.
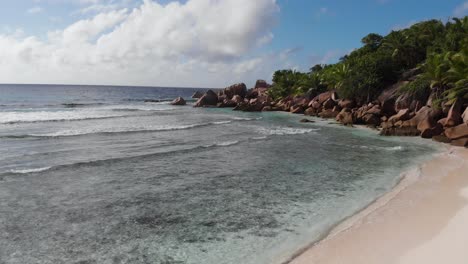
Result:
{"points": [[423, 220]]}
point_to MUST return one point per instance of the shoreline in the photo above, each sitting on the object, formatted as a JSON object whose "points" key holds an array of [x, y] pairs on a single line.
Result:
{"points": [[340, 238]]}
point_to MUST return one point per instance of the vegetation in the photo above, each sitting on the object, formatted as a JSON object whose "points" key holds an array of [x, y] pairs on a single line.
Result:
{"points": [[439, 50]]}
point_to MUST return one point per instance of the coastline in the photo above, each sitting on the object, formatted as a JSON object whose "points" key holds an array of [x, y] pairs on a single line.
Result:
{"points": [[376, 234]]}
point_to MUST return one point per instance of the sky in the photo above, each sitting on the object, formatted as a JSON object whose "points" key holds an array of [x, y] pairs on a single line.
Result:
{"points": [[191, 43]]}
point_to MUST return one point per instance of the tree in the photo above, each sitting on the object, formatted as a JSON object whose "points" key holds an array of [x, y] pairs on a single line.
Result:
{"points": [[372, 40]]}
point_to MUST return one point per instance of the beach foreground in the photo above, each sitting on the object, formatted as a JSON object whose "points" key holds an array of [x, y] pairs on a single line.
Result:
{"points": [[423, 220]]}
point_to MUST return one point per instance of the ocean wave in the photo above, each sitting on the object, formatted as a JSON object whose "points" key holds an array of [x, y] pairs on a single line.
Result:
{"points": [[113, 160], [281, 131], [26, 171], [76, 105], [225, 144], [394, 148], [125, 130], [48, 116]]}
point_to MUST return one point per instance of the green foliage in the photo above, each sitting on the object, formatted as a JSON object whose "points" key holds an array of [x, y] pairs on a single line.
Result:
{"points": [[441, 50], [418, 88]]}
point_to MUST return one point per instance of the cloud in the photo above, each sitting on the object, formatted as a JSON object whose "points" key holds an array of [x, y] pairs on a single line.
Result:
{"points": [[461, 10], [35, 10], [197, 43]]}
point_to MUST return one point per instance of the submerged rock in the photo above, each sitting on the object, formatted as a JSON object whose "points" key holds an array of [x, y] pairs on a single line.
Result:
{"points": [[305, 120]]}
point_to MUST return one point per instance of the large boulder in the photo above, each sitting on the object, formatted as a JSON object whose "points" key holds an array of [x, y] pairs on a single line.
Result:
{"points": [[321, 98], [371, 119], [256, 92], [296, 109], [236, 89], [328, 114], [262, 84], [346, 103], [387, 100], [237, 98], [178, 101], [329, 104], [208, 99], [227, 103], [311, 111], [454, 116], [461, 142], [424, 113], [460, 131], [345, 117], [402, 115], [197, 95], [315, 104], [465, 116]]}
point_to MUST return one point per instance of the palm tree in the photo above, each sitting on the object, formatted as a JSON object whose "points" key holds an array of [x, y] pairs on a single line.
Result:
{"points": [[457, 75]]}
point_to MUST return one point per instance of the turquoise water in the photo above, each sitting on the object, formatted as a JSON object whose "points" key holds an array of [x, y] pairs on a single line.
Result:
{"points": [[96, 175]]}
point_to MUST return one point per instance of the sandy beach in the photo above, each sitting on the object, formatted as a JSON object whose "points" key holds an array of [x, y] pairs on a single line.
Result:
{"points": [[423, 220]]}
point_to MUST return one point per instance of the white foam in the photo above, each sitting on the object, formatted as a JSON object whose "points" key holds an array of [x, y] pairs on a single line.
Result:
{"points": [[286, 131], [227, 143], [42, 116], [25, 171]]}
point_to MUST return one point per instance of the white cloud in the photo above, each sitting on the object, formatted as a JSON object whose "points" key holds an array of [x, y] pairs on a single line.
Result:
{"points": [[35, 10], [461, 10], [198, 43]]}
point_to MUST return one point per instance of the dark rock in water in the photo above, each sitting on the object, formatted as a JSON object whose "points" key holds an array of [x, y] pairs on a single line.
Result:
{"points": [[152, 101], [460, 131], [179, 101], [400, 131], [262, 84], [305, 120], [197, 95], [209, 98], [239, 89], [441, 138]]}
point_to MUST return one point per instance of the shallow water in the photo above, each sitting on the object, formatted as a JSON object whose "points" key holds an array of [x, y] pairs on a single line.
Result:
{"points": [[96, 175]]}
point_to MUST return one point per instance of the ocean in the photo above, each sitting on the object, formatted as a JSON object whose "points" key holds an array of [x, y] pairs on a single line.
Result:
{"points": [[98, 174]]}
